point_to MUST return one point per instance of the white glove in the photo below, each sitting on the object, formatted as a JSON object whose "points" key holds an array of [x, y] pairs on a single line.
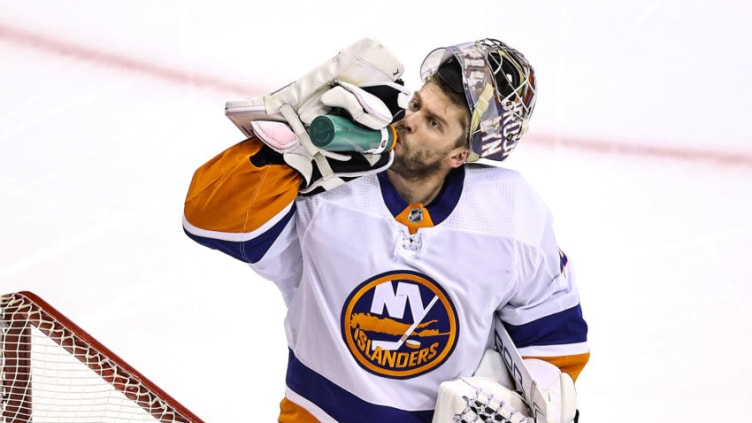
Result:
{"points": [[557, 388], [280, 118], [364, 107], [365, 64], [323, 171], [479, 399]]}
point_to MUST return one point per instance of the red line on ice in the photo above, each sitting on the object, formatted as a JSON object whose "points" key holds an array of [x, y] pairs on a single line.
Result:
{"points": [[53, 45]]}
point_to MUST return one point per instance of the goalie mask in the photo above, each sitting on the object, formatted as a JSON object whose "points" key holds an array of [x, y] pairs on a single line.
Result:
{"points": [[499, 87]]}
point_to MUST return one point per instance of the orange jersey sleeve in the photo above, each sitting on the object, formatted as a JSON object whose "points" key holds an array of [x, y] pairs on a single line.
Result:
{"points": [[234, 206]]}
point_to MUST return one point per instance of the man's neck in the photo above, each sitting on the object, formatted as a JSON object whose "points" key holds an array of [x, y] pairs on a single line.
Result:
{"points": [[418, 190]]}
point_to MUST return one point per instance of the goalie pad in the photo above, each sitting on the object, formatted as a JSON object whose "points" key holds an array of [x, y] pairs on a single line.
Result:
{"points": [[479, 399], [556, 388], [492, 367], [558, 391], [362, 81]]}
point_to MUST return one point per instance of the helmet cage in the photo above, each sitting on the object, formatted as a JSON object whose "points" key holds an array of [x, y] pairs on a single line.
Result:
{"points": [[500, 91]]}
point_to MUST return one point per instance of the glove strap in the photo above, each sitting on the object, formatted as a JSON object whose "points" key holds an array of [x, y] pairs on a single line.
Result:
{"points": [[291, 116]]}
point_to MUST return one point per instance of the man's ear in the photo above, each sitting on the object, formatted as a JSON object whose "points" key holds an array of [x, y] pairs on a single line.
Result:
{"points": [[459, 156]]}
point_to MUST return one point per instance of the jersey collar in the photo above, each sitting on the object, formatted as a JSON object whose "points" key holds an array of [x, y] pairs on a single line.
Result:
{"points": [[439, 209]]}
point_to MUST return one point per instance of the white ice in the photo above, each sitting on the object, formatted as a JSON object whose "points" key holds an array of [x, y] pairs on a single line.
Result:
{"points": [[641, 144]]}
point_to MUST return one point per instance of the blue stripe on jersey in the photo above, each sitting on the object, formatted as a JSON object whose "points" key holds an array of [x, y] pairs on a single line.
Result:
{"points": [[564, 327], [563, 260], [342, 405], [440, 208], [249, 251]]}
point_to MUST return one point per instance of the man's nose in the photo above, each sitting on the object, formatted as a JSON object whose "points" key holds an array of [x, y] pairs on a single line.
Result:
{"points": [[407, 123]]}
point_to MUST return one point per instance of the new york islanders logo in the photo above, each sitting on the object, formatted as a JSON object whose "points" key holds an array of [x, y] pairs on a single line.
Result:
{"points": [[399, 324]]}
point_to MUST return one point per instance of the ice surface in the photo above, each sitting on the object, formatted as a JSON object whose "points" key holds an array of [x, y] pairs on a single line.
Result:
{"points": [[107, 108]]}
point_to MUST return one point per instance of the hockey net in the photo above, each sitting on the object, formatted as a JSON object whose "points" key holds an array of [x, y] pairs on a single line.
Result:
{"points": [[53, 371]]}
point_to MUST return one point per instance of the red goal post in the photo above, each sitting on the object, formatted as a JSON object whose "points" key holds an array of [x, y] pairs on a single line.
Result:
{"points": [[52, 370]]}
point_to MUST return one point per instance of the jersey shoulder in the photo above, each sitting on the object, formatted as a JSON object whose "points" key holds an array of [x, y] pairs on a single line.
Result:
{"points": [[505, 197]]}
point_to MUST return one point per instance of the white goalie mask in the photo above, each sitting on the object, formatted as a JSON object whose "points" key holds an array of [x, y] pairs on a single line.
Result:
{"points": [[499, 87]]}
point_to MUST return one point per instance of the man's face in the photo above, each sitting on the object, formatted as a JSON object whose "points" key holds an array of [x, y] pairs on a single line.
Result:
{"points": [[428, 134]]}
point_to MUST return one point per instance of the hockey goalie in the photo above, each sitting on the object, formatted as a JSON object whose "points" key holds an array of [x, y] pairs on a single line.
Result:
{"points": [[397, 266]]}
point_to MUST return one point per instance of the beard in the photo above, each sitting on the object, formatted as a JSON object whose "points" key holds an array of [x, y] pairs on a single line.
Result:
{"points": [[417, 164]]}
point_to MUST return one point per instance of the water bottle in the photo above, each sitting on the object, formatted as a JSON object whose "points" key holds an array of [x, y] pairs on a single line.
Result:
{"points": [[336, 133]]}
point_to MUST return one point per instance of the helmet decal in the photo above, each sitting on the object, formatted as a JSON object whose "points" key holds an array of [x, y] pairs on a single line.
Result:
{"points": [[500, 89]]}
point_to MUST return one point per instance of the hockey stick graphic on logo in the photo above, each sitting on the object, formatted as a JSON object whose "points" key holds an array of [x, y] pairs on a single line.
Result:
{"points": [[516, 366], [394, 345]]}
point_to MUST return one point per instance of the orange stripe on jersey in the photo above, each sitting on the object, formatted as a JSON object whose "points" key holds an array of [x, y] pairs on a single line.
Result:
{"points": [[229, 194], [570, 364], [415, 216], [293, 413]]}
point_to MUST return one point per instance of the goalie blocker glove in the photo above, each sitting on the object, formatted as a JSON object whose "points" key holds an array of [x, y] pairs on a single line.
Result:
{"points": [[479, 399], [361, 82], [347, 166], [488, 395]]}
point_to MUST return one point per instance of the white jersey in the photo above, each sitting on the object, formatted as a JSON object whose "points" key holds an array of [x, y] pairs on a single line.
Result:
{"points": [[387, 299]]}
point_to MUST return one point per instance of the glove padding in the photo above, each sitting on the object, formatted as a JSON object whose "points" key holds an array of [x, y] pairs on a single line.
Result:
{"points": [[341, 170], [362, 81], [557, 388], [366, 64], [362, 106], [479, 399], [324, 170]]}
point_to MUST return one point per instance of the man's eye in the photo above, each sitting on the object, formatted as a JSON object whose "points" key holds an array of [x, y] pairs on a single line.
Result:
{"points": [[413, 105], [435, 123]]}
